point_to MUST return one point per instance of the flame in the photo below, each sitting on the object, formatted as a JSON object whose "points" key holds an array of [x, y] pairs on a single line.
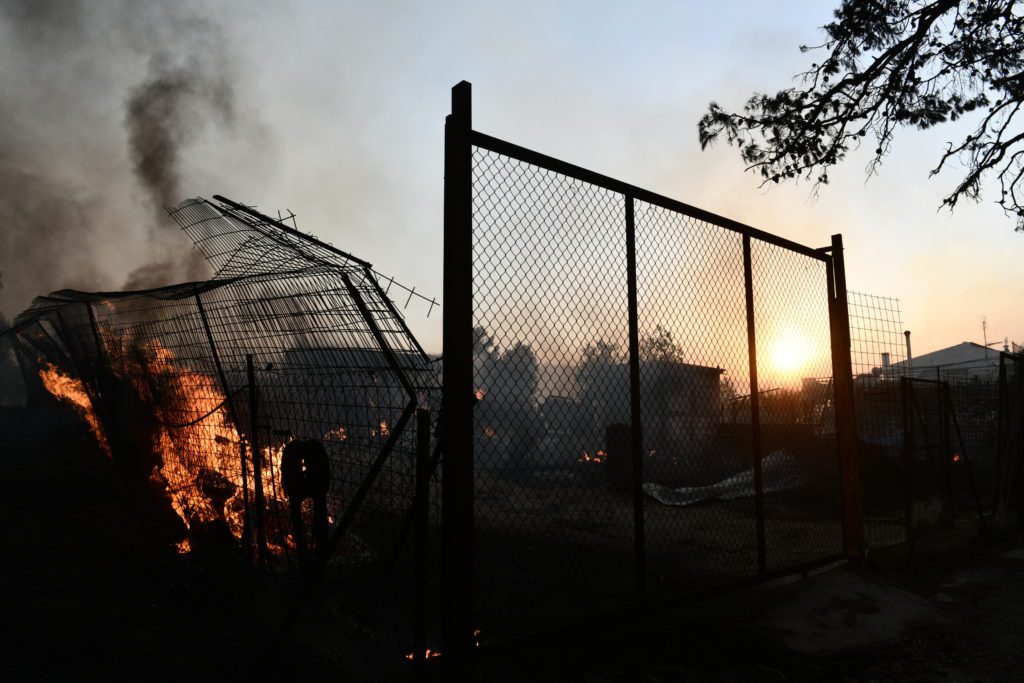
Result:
{"points": [[71, 390], [339, 434], [430, 654], [956, 457], [200, 447], [598, 456]]}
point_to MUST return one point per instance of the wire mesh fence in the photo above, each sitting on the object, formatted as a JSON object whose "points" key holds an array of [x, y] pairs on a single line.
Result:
{"points": [[878, 357], [949, 416], [654, 409]]}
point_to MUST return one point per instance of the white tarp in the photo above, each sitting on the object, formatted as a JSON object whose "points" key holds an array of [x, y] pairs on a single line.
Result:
{"points": [[781, 472]]}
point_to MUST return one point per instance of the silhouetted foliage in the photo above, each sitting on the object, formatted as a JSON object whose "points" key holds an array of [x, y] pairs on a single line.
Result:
{"points": [[891, 64], [507, 410]]}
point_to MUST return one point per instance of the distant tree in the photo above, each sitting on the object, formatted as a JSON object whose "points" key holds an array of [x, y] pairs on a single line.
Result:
{"points": [[602, 377], [507, 417], [659, 345], [892, 63]]}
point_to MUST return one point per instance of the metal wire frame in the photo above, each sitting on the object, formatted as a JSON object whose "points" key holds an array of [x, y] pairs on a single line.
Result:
{"points": [[306, 334]]}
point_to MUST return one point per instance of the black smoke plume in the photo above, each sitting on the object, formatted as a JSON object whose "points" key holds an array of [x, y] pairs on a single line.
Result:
{"points": [[93, 148]]}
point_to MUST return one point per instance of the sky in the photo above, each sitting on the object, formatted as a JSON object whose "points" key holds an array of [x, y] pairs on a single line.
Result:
{"points": [[338, 115]]}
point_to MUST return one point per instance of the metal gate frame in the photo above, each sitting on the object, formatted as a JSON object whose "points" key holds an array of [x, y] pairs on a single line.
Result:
{"points": [[458, 637]]}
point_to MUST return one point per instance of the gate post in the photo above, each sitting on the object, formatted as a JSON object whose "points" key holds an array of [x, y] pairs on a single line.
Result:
{"points": [[846, 426], [755, 408], [257, 462], [636, 417], [458, 390]]}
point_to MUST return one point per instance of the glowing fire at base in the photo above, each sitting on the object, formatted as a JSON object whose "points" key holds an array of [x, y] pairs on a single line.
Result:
{"points": [[430, 654], [198, 461]]}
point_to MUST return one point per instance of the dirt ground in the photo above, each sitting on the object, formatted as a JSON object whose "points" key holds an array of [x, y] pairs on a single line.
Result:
{"points": [[953, 616], [94, 588]]}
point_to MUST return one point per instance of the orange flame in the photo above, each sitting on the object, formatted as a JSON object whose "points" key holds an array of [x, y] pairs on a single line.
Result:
{"points": [[72, 390], [200, 460], [598, 456]]}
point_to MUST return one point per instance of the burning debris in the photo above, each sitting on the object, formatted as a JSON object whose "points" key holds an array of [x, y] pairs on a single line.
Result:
{"points": [[207, 390]]}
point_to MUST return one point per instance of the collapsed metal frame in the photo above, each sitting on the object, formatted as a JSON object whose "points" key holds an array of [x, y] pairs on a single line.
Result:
{"points": [[291, 337], [459, 637]]}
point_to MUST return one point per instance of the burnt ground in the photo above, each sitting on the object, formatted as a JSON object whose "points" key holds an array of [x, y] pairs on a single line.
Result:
{"points": [[95, 588]]}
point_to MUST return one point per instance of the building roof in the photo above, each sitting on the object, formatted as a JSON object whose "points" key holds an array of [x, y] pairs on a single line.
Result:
{"points": [[964, 352]]}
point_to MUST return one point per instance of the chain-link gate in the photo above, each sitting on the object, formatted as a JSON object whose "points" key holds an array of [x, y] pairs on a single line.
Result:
{"points": [[639, 400]]}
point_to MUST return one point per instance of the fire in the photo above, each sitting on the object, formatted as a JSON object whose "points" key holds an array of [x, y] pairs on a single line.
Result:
{"points": [[208, 487], [430, 654], [71, 390], [339, 434], [381, 429], [200, 449], [598, 456], [956, 457]]}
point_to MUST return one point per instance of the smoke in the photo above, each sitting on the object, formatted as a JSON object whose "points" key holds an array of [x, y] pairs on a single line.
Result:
{"points": [[112, 105], [164, 115]]}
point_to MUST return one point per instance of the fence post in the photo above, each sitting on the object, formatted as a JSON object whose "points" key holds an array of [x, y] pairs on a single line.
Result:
{"points": [[755, 408], [257, 460], [97, 339], [846, 425], [908, 457], [636, 419], [1002, 417], [458, 389], [421, 521], [228, 397]]}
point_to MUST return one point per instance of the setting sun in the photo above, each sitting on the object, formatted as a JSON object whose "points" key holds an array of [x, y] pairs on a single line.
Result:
{"points": [[789, 353]]}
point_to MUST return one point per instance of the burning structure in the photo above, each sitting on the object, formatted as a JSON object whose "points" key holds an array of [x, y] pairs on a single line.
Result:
{"points": [[203, 389]]}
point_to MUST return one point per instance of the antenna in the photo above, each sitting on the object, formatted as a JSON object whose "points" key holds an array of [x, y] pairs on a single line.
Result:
{"points": [[984, 334]]}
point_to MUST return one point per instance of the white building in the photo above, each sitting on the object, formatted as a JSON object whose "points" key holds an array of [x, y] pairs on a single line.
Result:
{"points": [[966, 361]]}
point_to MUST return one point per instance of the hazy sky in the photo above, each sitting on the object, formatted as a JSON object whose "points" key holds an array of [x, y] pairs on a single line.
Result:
{"points": [[348, 102]]}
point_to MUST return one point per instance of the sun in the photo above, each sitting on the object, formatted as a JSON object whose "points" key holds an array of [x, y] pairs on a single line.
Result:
{"points": [[789, 353]]}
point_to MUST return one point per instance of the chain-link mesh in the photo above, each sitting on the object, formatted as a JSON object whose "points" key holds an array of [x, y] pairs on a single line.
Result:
{"points": [[550, 319], [556, 517], [794, 361], [694, 379]]}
